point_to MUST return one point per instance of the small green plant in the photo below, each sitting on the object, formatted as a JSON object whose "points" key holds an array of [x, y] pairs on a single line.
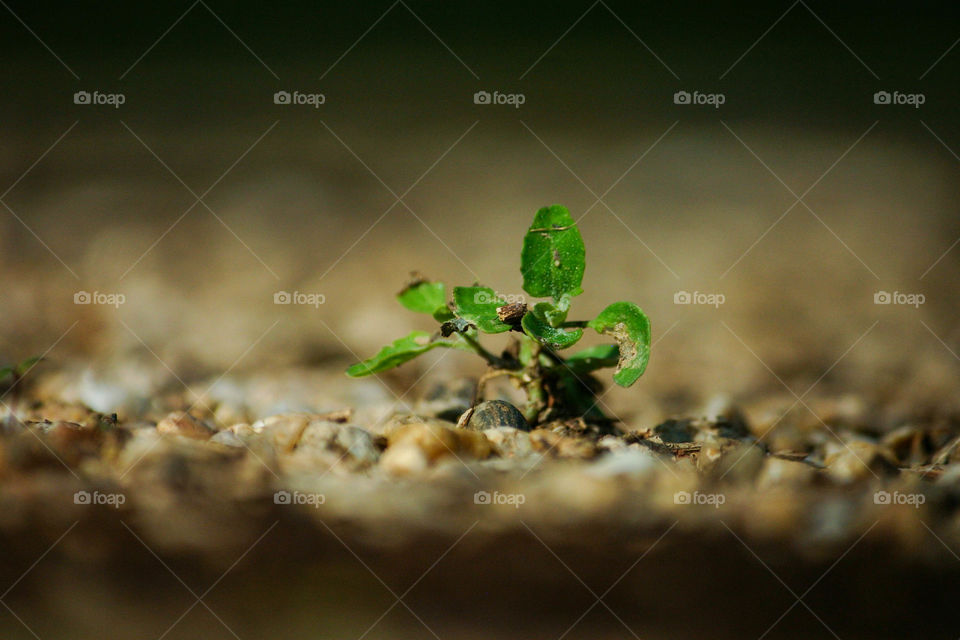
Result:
{"points": [[552, 264]]}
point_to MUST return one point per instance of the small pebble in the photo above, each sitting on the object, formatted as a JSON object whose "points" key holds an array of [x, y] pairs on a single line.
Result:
{"points": [[183, 424], [510, 442], [228, 438], [626, 461], [437, 440], [358, 443], [496, 413], [559, 446], [855, 460], [777, 471], [404, 459]]}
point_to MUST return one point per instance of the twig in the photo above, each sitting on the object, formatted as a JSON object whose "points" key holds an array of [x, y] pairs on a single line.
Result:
{"points": [[478, 392], [489, 375], [465, 418]]}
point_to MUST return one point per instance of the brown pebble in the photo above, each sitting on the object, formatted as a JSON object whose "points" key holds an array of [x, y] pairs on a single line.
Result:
{"points": [[437, 440], [548, 442], [182, 423]]}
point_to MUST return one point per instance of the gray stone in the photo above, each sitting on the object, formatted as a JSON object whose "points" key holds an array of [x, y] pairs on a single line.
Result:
{"points": [[359, 443], [675, 431], [496, 413]]}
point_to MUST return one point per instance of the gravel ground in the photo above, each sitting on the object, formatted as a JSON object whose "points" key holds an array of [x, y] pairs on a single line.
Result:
{"points": [[319, 516], [191, 461]]}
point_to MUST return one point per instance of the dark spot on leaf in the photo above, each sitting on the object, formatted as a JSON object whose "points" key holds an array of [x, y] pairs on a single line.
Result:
{"points": [[457, 325], [416, 279], [628, 349]]}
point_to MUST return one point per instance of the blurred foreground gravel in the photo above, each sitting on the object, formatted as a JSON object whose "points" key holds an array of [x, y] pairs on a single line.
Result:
{"points": [[308, 511]]}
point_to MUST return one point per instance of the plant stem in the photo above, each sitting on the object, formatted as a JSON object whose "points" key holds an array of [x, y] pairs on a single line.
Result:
{"points": [[533, 379], [491, 359], [582, 324], [535, 400]]}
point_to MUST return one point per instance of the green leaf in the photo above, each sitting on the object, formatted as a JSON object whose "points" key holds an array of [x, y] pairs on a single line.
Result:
{"points": [[424, 296], [592, 358], [555, 314], [399, 351], [552, 260], [630, 327], [26, 365], [536, 326], [6, 371], [478, 305], [442, 314]]}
